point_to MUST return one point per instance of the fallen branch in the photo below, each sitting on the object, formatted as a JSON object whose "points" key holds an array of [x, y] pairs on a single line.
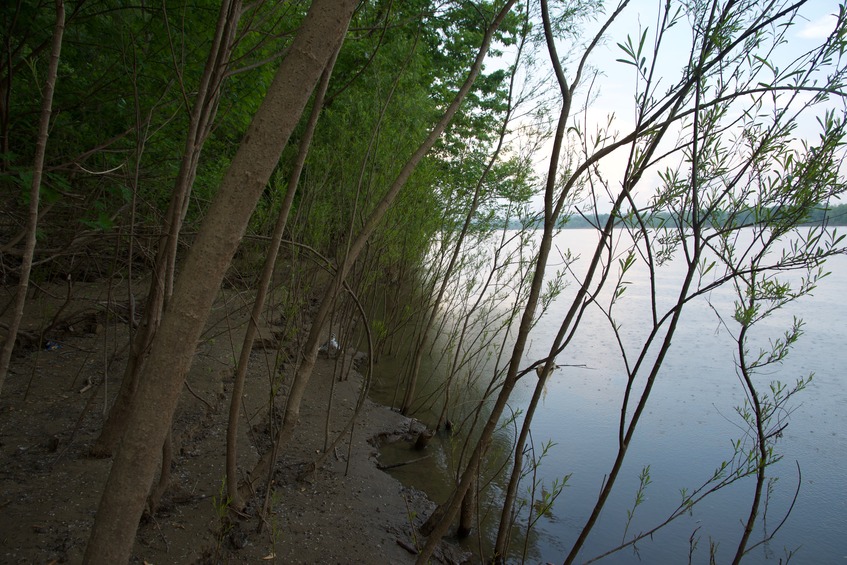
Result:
{"points": [[407, 546], [401, 464], [200, 398]]}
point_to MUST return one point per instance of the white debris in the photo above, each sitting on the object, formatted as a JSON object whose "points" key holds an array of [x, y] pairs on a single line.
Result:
{"points": [[330, 348]]}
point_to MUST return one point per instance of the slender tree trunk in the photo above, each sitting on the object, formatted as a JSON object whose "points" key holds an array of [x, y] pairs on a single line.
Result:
{"points": [[164, 474], [35, 190], [468, 512], [505, 526], [762, 445], [173, 347], [201, 118], [579, 302], [310, 350], [264, 285], [447, 512], [409, 396]]}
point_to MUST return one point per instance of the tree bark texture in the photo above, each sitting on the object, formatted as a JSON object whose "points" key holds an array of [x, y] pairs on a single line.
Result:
{"points": [[173, 348]]}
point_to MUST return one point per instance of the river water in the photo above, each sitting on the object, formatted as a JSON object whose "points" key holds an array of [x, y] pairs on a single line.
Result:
{"points": [[685, 434]]}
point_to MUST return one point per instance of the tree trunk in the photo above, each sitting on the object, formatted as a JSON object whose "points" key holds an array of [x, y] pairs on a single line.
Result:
{"points": [[161, 283], [264, 284], [173, 347], [468, 511], [447, 512], [409, 396], [35, 190], [164, 474]]}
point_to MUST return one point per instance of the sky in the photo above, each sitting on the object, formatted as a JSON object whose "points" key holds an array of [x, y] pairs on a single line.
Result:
{"points": [[612, 82]]}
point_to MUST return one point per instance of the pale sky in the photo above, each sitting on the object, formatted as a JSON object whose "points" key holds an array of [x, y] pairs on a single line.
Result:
{"points": [[613, 86]]}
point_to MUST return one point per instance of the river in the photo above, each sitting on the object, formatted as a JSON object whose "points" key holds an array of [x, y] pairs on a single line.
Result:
{"points": [[685, 434]]}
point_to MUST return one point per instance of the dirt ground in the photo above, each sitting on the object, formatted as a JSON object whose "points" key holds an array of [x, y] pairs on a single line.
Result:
{"points": [[53, 405]]}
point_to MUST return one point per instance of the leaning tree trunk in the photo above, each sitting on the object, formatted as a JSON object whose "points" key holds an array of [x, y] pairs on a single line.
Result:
{"points": [[35, 189], [439, 522], [264, 285], [409, 395], [310, 349], [161, 283], [467, 515], [173, 348]]}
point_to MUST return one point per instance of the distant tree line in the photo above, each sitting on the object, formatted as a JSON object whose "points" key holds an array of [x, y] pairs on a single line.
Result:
{"points": [[823, 215]]}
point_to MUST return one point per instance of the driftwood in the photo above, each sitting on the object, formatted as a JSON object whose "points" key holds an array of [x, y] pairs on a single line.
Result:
{"points": [[423, 439], [402, 463], [407, 546]]}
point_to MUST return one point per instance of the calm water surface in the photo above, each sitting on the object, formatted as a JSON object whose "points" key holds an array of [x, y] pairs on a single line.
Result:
{"points": [[686, 430]]}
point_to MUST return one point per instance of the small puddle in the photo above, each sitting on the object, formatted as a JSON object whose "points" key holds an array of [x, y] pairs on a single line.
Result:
{"points": [[431, 471], [425, 470]]}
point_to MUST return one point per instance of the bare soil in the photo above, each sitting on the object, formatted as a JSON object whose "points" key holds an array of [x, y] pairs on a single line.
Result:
{"points": [[53, 405]]}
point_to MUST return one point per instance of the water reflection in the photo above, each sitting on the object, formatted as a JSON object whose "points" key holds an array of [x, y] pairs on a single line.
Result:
{"points": [[684, 435]]}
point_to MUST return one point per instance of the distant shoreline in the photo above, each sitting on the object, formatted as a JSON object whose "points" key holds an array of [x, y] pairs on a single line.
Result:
{"points": [[831, 217]]}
